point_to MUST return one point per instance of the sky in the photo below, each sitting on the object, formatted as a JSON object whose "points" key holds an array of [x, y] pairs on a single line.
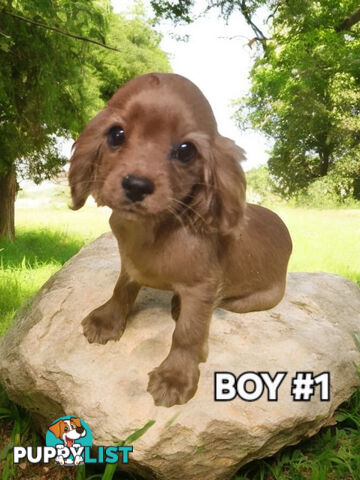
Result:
{"points": [[217, 64]]}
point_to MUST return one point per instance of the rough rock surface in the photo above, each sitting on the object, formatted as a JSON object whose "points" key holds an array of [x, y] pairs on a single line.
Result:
{"points": [[47, 365]]}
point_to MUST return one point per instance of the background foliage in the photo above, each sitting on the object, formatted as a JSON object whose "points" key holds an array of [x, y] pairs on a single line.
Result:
{"points": [[51, 84], [305, 95], [305, 89]]}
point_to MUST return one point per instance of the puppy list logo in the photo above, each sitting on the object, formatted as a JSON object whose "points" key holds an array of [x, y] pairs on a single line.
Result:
{"points": [[69, 436], [69, 441]]}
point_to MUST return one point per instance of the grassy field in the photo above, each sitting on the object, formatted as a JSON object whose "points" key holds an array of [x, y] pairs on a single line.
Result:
{"points": [[324, 240], [45, 240]]}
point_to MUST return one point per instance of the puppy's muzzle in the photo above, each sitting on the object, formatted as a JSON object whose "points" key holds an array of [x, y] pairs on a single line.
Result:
{"points": [[136, 188]]}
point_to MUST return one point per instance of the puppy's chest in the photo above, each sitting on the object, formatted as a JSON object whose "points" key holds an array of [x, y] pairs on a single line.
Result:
{"points": [[150, 263]]}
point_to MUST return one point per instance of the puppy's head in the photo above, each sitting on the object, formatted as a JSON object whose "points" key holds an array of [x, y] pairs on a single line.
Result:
{"points": [[68, 430], [154, 150]]}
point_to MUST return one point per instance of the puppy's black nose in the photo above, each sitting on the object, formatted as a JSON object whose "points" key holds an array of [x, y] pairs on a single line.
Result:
{"points": [[136, 188], [79, 429]]}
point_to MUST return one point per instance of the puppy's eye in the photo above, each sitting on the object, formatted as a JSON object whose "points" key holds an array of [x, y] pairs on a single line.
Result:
{"points": [[184, 152], [66, 429], [116, 136]]}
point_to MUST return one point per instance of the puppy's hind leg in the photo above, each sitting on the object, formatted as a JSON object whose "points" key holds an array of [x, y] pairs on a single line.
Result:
{"points": [[108, 321], [255, 302]]}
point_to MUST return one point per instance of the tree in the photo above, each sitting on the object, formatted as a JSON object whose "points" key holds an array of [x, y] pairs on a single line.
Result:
{"points": [[52, 83], [305, 92], [305, 95], [139, 53], [181, 11]]}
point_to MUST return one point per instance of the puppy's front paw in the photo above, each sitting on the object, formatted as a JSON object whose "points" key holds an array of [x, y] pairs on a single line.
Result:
{"points": [[174, 382], [103, 324]]}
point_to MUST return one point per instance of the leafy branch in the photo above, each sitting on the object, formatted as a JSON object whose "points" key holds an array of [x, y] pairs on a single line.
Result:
{"points": [[58, 30]]}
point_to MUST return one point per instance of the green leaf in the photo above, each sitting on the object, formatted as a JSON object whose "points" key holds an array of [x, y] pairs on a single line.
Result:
{"points": [[356, 337], [5, 451], [5, 411], [139, 433], [110, 468], [109, 471], [80, 473]]}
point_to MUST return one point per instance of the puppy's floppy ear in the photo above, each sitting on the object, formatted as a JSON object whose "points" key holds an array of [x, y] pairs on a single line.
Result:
{"points": [[86, 150], [226, 184], [57, 428], [76, 421]]}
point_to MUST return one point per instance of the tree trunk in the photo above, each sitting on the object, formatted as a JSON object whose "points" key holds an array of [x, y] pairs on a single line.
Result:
{"points": [[349, 21], [324, 165], [8, 188]]}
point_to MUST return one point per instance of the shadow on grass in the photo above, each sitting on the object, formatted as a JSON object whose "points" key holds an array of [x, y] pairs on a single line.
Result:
{"points": [[27, 263], [41, 246]]}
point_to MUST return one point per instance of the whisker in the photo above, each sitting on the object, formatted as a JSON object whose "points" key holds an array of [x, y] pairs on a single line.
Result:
{"points": [[176, 215], [189, 208]]}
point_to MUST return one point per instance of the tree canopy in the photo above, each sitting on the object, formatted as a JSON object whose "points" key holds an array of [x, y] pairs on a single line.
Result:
{"points": [[305, 87], [305, 95], [52, 83]]}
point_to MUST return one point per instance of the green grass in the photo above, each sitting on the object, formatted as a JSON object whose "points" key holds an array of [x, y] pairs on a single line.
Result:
{"points": [[45, 240], [324, 240]]}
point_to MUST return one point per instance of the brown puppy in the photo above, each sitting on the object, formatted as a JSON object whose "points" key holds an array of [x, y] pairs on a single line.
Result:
{"points": [[177, 192]]}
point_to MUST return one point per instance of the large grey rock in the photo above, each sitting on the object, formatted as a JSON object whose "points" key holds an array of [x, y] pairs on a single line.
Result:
{"points": [[47, 365]]}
